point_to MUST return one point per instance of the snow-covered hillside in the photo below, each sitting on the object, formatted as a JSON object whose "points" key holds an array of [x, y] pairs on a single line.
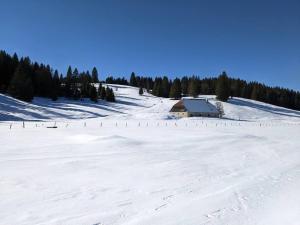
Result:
{"points": [[130, 163], [131, 105]]}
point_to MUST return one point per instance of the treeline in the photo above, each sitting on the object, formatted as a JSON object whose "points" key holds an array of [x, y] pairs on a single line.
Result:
{"points": [[24, 79], [223, 86]]}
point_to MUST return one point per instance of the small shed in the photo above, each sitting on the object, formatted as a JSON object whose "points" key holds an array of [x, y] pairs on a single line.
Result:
{"points": [[189, 107]]}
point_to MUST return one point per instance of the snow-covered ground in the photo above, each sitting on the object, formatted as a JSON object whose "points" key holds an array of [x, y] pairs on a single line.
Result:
{"points": [[132, 163]]}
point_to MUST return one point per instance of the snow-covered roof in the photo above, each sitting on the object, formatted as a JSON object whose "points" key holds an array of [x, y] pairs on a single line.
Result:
{"points": [[194, 105]]}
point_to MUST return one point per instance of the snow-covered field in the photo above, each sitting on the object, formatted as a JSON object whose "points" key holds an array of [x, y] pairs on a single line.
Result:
{"points": [[131, 163]]}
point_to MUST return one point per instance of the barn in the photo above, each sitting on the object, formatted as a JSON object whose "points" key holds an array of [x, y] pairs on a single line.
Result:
{"points": [[189, 107]]}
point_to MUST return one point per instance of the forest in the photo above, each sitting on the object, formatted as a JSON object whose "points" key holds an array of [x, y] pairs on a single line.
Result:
{"points": [[23, 79]]}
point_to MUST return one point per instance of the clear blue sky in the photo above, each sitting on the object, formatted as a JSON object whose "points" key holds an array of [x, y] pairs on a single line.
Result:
{"points": [[254, 40]]}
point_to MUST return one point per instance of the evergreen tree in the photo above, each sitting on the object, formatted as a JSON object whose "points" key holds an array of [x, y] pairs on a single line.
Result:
{"points": [[110, 96], [99, 89], [133, 81], [223, 89], [21, 85], [205, 88], [103, 93], [75, 85], [68, 83], [157, 87], [175, 91], [193, 88], [165, 86], [8, 66], [43, 81], [141, 91], [184, 85], [255, 93], [95, 78], [55, 92], [93, 94]]}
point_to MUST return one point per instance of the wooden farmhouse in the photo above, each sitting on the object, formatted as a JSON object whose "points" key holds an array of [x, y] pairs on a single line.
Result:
{"points": [[189, 107]]}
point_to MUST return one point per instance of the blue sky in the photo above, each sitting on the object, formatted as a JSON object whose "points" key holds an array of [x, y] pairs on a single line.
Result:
{"points": [[253, 40]]}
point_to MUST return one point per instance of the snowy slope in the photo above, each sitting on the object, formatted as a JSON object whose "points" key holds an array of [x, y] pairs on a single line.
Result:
{"points": [[170, 173], [131, 105], [63, 109], [130, 163]]}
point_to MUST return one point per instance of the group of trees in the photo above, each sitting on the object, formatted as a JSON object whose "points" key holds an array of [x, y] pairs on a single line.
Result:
{"points": [[24, 79], [223, 87], [106, 93]]}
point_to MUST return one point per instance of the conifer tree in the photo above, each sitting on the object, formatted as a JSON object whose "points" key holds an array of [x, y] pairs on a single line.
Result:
{"points": [[175, 91], [141, 91], [165, 86], [99, 89], [110, 96], [55, 90], [68, 83], [93, 93], [184, 85], [21, 86], [103, 93], [223, 88], [95, 78], [193, 88], [254, 93], [133, 81]]}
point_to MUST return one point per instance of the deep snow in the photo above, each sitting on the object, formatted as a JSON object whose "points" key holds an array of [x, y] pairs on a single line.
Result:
{"points": [[138, 165]]}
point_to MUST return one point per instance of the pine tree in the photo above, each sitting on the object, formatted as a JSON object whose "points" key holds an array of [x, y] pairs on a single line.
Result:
{"points": [[113, 98], [223, 88], [254, 93], [21, 86], [110, 96], [165, 86], [103, 93], [175, 91], [75, 85], [141, 91], [95, 78], [55, 90], [68, 83], [99, 89], [157, 87], [184, 85], [193, 88], [133, 81], [93, 94]]}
